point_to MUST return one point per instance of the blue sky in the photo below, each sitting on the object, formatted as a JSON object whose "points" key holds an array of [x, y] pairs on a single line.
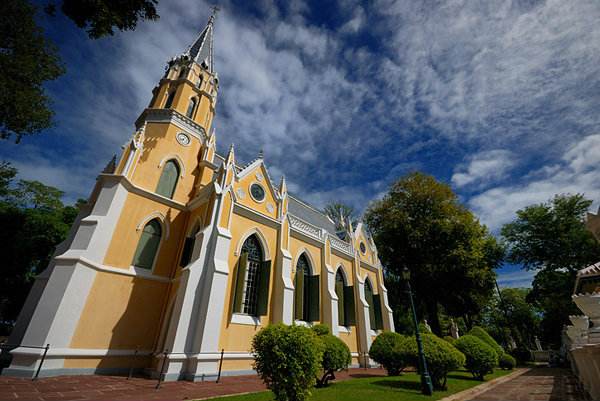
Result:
{"points": [[500, 99]]}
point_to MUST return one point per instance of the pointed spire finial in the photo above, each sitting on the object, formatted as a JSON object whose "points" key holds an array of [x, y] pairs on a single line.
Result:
{"points": [[260, 155], [229, 159]]}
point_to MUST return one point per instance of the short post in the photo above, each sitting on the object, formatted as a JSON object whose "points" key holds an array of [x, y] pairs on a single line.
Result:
{"points": [[161, 369], [220, 365], [37, 373], [133, 362]]}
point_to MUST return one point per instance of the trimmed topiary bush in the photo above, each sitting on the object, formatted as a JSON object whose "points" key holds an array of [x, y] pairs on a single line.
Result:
{"points": [[441, 357], [321, 329], [384, 351], [522, 355], [486, 338], [481, 358], [288, 359], [336, 356], [449, 339], [506, 362]]}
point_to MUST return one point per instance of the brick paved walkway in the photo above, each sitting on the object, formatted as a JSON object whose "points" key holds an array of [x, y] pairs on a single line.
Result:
{"points": [[96, 387], [538, 383]]}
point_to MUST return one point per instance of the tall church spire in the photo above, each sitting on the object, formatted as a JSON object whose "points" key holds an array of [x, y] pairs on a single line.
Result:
{"points": [[201, 51]]}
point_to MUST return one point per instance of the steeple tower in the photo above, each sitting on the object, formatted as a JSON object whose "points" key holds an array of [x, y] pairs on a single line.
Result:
{"points": [[177, 122]]}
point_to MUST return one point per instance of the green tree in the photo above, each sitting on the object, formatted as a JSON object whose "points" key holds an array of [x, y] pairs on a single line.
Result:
{"points": [[551, 238], [32, 226], [35, 195], [421, 224], [336, 208], [101, 17], [27, 60], [514, 316], [7, 174]]}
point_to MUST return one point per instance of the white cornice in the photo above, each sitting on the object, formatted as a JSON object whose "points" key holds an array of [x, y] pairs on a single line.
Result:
{"points": [[255, 215], [174, 117], [121, 179]]}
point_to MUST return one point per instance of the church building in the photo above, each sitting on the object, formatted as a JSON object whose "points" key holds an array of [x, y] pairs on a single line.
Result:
{"points": [[183, 253]]}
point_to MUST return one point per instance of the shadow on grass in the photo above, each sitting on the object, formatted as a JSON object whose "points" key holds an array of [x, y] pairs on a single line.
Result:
{"points": [[463, 377], [399, 384]]}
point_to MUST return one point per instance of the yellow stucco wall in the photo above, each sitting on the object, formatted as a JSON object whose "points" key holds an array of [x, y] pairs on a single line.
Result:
{"points": [[121, 312], [237, 337], [126, 236]]}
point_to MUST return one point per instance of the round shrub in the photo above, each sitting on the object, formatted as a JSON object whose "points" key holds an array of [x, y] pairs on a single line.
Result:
{"points": [[321, 329], [449, 339], [481, 358], [288, 359], [384, 351], [423, 329], [506, 362], [486, 338], [336, 356], [522, 355], [441, 357]]}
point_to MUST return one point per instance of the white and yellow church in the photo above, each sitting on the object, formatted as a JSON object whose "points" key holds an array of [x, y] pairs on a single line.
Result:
{"points": [[184, 253]]}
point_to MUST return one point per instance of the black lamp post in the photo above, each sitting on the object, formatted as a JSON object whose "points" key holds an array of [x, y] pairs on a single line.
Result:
{"points": [[426, 386]]}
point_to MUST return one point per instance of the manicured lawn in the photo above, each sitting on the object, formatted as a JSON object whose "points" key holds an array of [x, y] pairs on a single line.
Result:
{"points": [[406, 387]]}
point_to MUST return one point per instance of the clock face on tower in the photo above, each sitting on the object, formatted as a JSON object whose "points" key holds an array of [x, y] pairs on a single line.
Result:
{"points": [[257, 192], [183, 138]]}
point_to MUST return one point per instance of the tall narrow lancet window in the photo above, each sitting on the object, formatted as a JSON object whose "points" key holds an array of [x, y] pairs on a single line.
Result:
{"points": [[345, 294], [374, 302], [168, 179], [253, 278], [191, 107], [200, 79], [169, 101], [148, 245], [306, 293]]}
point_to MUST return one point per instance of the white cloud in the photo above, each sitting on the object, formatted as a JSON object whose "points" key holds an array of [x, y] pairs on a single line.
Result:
{"points": [[483, 168], [577, 173]]}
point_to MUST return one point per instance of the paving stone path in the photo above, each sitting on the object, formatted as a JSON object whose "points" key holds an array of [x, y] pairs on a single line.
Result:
{"points": [[98, 387], [538, 383]]}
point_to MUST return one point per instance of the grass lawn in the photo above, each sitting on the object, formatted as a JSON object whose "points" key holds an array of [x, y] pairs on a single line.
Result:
{"points": [[406, 387]]}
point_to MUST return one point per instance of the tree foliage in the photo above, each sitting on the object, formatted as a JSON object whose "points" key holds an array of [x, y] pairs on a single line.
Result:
{"points": [[515, 316], [551, 238], [101, 17], [336, 208], [27, 60], [27, 241], [421, 224], [552, 235]]}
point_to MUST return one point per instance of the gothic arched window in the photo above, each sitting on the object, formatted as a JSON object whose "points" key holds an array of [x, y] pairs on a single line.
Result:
{"points": [[191, 107], [253, 277], [307, 292], [145, 252], [374, 302], [345, 294], [169, 101], [199, 83], [168, 179]]}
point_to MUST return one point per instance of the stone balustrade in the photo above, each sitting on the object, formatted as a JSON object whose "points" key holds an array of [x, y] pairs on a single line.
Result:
{"points": [[583, 342]]}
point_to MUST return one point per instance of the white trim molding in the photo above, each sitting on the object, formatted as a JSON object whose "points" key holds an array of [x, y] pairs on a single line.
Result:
{"points": [[173, 156]]}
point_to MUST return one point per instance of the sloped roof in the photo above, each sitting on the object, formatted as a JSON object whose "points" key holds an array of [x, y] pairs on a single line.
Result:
{"points": [[310, 215]]}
